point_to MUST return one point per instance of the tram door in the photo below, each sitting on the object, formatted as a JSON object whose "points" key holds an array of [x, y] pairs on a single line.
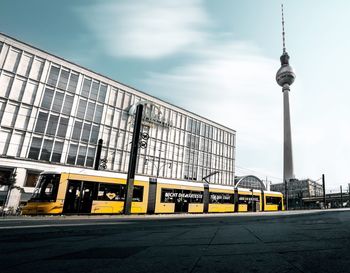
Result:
{"points": [[79, 197], [181, 204]]}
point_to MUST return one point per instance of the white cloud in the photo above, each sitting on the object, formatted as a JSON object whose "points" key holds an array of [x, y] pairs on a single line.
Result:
{"points": [[233, 84], [146, 29]]}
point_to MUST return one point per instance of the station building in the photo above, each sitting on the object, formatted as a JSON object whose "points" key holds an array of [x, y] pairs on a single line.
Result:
{"points": [[52, 113]]}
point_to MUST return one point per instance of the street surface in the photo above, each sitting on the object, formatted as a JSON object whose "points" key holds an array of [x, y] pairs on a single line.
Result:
{"points": [[314, 241]]}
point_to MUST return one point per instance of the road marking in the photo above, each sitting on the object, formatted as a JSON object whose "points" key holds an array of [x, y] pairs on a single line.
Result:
{"points": [[63, 225]]}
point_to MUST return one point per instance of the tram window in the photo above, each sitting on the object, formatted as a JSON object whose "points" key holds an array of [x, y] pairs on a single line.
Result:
{"points": [[247, 199], [47, 187], [196, 197], [137, 195], [272, 200], [221, 198], [111, 192], [168, 196]]}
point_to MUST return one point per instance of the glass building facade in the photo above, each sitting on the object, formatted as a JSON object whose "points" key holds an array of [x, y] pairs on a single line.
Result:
{"points": [[53, 112]]}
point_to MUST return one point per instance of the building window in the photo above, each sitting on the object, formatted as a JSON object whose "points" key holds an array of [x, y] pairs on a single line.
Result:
{"points": [[90, 157], [12, 60], [46, 150], [81, 108], [10, 115], [35, 148], [72, 154], [25, 64], [52, 125], [94, 134], [62, 83], [37, 68], [58, 101], [77, 130], [81, 156], [30, 92], [86, 132], [41, 122], [47, 100], [102, 94], [17, 89], [5, 85], [86, 88], [73, 82], [57, 152], [94, 90], [98, 113], [62, 128], [16, 143], [31, 180], [53, 76], [68, 103], [90, 111]]}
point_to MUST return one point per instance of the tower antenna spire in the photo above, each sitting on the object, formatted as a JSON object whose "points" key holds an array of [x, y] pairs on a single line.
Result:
{"points": [[283, 32]]}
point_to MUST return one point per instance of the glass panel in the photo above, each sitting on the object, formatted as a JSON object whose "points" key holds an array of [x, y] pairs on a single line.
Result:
{"points": [[90, 111], [120, 99], [111, 192], [62, 129], [41, 122], [12, 60], [5, 85], [58, 101], [10, 115], [29, 93], [57, 152], [53, 76], [98, 113], [5, 139], [73, 81], [81, 156], [102, 94], [24, 66], [63, 79], [86, 88], [46, 150], [47, 100], [35, 148], [68, 103], [90, 157], [17, 89], [81, 108], [52, 125], [94, 134], [112, 96], [77, 130], [94, 90], [116, 118], [37, 68], [15, 145], [23, 118], [72, 154], [86, 132]]}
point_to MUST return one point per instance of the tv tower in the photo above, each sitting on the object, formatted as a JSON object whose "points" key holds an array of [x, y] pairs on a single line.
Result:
{"points": [[285, 77]]}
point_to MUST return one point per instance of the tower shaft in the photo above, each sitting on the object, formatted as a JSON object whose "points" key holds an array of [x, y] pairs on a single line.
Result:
{"points": [[288, 171]]}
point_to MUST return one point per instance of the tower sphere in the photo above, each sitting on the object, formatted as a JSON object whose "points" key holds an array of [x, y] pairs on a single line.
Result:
{"points": [[285, 75]]}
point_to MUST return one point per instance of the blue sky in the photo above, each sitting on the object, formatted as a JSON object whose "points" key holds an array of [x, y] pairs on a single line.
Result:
{"points": [[217, 59]]}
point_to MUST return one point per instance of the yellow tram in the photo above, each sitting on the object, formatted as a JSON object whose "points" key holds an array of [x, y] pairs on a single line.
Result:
{"points": [[99, 192]]}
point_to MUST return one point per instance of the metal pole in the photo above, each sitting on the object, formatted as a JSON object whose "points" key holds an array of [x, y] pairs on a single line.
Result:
{"points": [[286, 192], [341, 196], [133, 160], [324, 191], [98, 154], [158, 166], [349, 192]]}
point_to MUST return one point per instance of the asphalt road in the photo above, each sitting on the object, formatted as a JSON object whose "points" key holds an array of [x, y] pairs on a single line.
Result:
{"points": [[265, 242]]}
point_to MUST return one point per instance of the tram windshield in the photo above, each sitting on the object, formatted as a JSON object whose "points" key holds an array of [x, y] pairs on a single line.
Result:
{"points": [[46, 188]]}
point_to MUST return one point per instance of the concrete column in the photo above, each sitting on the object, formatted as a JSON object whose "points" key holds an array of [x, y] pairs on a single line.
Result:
{"points": [[15, 195], [288, 170]]}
